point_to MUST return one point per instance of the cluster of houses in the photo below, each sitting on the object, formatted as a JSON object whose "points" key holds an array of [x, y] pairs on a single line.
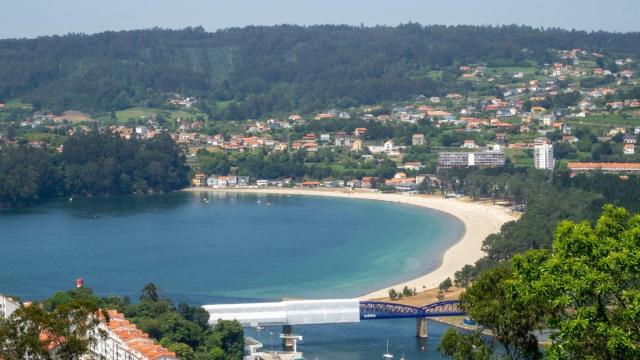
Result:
{"points": [[401, 182], [115, 337], [215, 181], [186, 102]]}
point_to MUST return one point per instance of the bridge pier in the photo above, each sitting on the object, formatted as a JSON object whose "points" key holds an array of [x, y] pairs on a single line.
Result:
{"points": [[287, 340], [421, 328]]}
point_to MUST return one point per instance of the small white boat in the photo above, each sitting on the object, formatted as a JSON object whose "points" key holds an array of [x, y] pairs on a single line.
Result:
{"points": [[387, 355], [259, 328]]}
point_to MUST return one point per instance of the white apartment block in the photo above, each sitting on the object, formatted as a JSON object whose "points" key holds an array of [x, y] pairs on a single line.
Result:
{"points": [[543, 157]]}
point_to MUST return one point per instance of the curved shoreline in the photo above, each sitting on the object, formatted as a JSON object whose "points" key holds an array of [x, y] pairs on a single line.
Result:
{"points": [[480, 220]]}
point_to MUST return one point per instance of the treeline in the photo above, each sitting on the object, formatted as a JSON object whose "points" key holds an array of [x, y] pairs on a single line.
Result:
{"points": [[69, 319], [546, 199], [583, 290], [93, 163], [253, 71]]}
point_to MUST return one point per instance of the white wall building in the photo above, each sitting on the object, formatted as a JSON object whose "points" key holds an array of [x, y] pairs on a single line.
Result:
{"points": [[124, 341], [543, 157], [7, 306]]}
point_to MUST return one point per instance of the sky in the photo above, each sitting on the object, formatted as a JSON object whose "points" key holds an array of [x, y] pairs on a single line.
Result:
{"points": [[32, 18]]}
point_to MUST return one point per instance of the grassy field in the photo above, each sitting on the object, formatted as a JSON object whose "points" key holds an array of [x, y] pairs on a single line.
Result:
{"points": [[527, 70], [51, 139], [435, 74], [606, 120], [141, 113], [519, 157], [16, 104]]}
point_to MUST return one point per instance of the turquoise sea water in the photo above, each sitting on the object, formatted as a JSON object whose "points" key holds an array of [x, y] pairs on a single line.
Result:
{"points": [[224, 247]]}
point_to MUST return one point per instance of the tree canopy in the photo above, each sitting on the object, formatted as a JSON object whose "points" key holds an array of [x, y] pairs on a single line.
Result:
{"points": [[585, 289], [256, 70]]}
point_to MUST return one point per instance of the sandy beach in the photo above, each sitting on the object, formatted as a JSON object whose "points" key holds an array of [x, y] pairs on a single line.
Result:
{"points": [[480, 220]]}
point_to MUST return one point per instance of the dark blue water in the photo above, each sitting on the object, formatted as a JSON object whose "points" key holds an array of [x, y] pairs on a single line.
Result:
{"points": [[212, 248]]}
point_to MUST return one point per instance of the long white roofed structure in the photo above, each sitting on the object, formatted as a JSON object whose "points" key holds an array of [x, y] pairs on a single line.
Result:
{"points": [[295, 312]]}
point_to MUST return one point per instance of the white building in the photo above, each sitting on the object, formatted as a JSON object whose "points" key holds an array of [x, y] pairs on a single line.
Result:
{"points": [[629, 149], [7, 306], [124, 341], [543, 157]]}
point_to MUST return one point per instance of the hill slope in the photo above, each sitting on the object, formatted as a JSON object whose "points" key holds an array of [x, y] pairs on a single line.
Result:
{"points": [[270, 69]]}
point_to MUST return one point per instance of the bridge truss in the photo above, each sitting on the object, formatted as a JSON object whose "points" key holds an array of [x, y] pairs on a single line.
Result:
{"points": [[374, 310]]}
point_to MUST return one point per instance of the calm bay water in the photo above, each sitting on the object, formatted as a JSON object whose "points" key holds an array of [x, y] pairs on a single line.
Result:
{"points": [[225, 247]]}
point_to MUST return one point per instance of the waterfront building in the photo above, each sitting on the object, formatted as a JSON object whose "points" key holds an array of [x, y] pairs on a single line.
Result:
{"points": [[447, 160], [199, 180], [543, 156]]}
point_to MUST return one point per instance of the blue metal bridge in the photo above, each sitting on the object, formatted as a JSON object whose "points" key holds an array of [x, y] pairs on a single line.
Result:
{"points": [[374, 310], [330, 311]]}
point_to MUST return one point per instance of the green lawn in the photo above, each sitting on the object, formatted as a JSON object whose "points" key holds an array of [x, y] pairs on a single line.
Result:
{"points": [[51, 139], [606, 120], [141, 113], [519, 157], [15, 104], [527, 70], [435, 74]]}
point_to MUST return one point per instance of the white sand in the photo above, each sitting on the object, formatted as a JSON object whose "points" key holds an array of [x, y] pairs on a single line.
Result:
{"points": [[480, 220]]}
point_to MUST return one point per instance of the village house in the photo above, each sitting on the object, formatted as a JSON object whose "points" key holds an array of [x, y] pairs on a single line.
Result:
{"points": [[629, 149], [401, 182], [342, 139], [200, 179], [310, 184], [368, 182], [325, 138], [357, 145], [417, 139], [415, 166], [501, 138], [359, 131], [311, 146], [354, 184], [324, 116], [124, 340], [469, 144], [629, 139]]}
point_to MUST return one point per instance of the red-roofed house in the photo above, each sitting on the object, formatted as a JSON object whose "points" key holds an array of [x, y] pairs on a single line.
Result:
{"points": [[125, 341]]}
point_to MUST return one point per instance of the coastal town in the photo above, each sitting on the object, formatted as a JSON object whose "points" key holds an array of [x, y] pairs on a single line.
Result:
{"points": [[578, 114], [281, 192]]}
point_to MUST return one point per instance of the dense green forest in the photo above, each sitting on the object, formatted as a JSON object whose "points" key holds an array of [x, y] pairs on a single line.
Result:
{"points": [[583, 288], [547, 199], [257, 70], [94, 163], [69, 316]]}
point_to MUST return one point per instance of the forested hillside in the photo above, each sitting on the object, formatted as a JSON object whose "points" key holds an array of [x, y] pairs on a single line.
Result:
{"points": [[253, 71]]}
